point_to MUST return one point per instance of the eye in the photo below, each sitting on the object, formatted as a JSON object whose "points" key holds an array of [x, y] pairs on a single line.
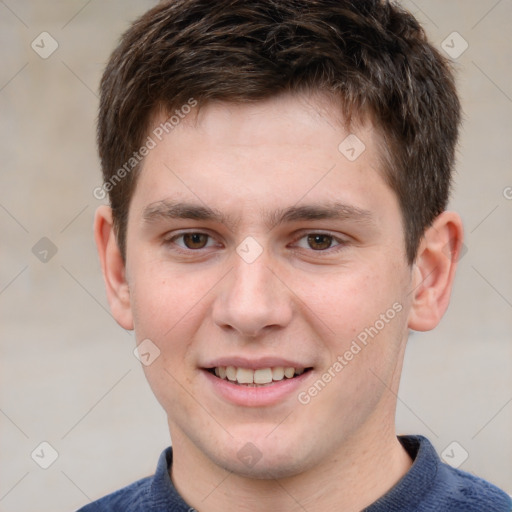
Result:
{"points": [[192, 240], [318, 241], [195, 240]]}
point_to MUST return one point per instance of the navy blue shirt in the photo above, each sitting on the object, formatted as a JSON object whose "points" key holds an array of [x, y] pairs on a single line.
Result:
{"points": [[428, 486]]}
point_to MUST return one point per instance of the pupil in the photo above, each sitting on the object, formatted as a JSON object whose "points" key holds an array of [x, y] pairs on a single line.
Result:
{"points": [[195, 240], [319, 242]]}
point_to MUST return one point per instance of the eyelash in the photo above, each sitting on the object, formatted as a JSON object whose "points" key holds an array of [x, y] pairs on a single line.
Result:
{"points": [[339, 243]]}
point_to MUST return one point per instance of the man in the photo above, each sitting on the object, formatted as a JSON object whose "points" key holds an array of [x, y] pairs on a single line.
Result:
{"points": [[278, 173]]}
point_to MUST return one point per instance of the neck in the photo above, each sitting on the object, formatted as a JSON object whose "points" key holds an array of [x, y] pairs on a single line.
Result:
{"points": [[356, 475]]}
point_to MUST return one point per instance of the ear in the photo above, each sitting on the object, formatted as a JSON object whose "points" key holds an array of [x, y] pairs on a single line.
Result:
{"points": [[113, 268], [434, 271]]}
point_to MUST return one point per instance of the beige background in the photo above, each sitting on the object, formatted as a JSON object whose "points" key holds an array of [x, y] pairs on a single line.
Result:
{"points": [[68, 375]]}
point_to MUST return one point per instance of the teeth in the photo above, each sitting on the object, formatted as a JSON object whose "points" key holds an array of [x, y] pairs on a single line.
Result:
{"points": [[263, 376], [289, 372], [278, 373], [244, 376], [254, 377], [231, 373]]}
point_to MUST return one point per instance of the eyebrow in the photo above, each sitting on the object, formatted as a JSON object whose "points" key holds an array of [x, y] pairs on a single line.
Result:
{"points": [[167, 209], [330, 211]]}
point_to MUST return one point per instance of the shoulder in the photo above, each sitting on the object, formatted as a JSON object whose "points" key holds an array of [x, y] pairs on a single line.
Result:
{"points": [[445, 488], [153, 493], [464, 491], [131, 498]]}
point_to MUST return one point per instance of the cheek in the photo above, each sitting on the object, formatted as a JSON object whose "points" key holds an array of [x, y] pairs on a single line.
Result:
{"points": [[168, 311], [361, 317], [169, 386], [165, 300], [349, 300]]}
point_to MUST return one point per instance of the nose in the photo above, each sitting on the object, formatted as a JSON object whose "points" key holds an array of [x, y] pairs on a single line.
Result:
{"points": [[253, 300]]}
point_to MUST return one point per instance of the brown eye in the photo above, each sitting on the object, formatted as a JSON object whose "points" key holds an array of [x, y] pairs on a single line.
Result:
{"points": [[319, 242], [195, 240]]}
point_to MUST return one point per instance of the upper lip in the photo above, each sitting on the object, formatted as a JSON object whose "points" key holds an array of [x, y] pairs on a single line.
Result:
{"points": [[255, 364]]}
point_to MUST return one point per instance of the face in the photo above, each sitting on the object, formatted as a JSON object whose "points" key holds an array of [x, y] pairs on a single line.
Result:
{"points": [[268, 267]]}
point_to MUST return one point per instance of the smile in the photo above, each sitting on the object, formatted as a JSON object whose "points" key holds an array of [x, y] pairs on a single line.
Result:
{"points": [[257, 377]]}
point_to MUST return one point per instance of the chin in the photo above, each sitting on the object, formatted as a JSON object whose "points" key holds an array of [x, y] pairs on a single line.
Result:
{"points": [[264, 469], [264, 460]]}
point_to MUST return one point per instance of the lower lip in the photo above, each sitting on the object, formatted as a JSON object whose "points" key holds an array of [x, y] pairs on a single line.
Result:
{"points": [[256, 396]]}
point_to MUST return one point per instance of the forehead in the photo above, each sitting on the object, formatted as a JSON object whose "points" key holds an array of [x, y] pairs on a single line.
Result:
{"points": [[253, 123], [277, 151]]}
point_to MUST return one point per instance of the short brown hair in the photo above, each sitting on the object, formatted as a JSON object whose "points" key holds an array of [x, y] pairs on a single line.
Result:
{"points": [[371, 55]]}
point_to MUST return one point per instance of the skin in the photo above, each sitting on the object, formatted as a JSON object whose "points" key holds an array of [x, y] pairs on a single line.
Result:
{"points": [[298, 300]]}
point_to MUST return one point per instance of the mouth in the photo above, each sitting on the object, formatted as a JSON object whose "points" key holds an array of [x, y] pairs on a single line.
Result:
{"points": [[260, 377]]}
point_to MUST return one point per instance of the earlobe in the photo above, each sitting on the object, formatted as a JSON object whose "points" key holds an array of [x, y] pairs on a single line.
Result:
{"points": [[113, 268], [434, 271]]}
